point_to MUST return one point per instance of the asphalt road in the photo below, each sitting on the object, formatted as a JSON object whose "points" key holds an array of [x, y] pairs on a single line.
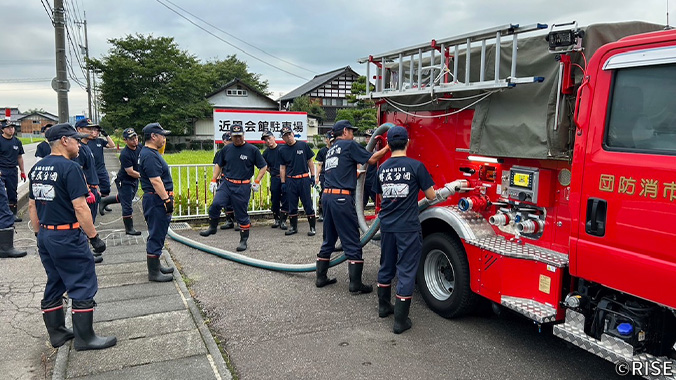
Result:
{"points": [[276, 325]]}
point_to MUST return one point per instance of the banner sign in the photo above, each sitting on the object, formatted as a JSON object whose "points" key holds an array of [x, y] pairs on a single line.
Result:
{"points": [[255, 122]]}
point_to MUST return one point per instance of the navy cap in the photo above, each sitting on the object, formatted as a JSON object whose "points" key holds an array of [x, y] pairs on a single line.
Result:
{"points": [[60, 130], [155, 128], [266, 133], [128, 133], [226, 137], [237, 130], [46, 127], [86, 123], [337, 128], [286, 130], [5, 123], [368, 132], [397, 133]]}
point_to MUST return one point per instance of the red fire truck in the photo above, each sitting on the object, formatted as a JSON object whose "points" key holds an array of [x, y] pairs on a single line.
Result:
{"points": [[566, 137]]}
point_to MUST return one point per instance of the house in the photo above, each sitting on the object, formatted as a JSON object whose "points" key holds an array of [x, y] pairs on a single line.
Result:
{"points": [[32, 123], [14, 115], [235, 95], [330, 88]]}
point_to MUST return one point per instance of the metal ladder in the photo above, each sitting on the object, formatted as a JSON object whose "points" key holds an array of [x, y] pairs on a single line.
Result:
{"points": [[430, 73]]}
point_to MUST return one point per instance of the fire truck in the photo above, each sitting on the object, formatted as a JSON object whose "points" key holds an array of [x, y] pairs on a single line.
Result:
{"points": [[566, 138]]}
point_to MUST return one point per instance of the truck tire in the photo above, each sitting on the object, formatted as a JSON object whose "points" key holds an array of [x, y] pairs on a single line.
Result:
{"points": [[443, 276]]}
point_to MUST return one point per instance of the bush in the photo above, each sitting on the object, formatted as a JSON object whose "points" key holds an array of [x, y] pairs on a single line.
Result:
{"points": [[180, 146], [321, 145], [311, 145]]}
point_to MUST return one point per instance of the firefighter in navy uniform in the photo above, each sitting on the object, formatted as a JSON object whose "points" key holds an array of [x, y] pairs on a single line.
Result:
{"points": [[43, 149], [272, 156], [11, 156], [370, 176], [126, 181], [399, 180], [59, 213], [298, 173], [7, 227], [158, 199], [98, 140], [86, 160], [216, 180], [320, 158], [340, 215], [238, 161]]}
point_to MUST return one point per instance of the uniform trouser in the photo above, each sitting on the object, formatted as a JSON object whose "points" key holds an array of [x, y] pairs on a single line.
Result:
{"points": [[368, 193], [280, 201], [340, 221], [299, 188], [238, 196], [94, 207], [11, 178], [400, 254], [104, 181], [157, 220], [6, 215], [321, 192], [69, 264], [126, 191]]}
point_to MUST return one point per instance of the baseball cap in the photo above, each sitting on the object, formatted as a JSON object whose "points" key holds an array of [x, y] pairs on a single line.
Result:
{"points": [[5, 123], [237, 130], [285, 130], [60, 130], [226, 137], [155, 128], [46, 127], [86, 123], [337, 128], [266, 133], [397, 133], [368, 132], [128, 133]]}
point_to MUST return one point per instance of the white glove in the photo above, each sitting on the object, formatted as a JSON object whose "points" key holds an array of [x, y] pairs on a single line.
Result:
{"points": [[213, 186], [255, 186]]}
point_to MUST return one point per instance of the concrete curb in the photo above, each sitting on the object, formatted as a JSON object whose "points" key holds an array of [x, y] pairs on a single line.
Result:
{"points": [[61, 362], [215, 357]]}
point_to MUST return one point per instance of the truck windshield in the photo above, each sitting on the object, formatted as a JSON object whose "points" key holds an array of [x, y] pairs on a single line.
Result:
{"points": [[642, 114]]}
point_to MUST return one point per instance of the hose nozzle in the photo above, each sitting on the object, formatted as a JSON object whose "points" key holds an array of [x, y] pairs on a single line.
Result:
{"points": [[449, 190]]}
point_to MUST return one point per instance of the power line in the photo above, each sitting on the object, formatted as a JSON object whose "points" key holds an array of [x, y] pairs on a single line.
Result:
{"points": [[238, 48], [239, 39], [49, 12], [25, 80]]}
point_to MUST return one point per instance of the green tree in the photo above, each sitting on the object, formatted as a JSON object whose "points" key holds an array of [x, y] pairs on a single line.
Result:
{"points": [[363, 114], [313, 107], [147, 79], [33, 110]]}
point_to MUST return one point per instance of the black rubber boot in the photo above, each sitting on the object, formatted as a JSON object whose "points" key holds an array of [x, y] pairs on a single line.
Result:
{"points": [[83, 320], [275, 224], [15, 210], [356, 286], [237, 227], [294, 226], [385, 307], [7, 244], [313, 225], [282, 221], [129, 227], [322, 278], [243, 238], [105, 201], [98, 259], [229, 222], [55, 321], [401, 320], [154, 272], [213, 224]]}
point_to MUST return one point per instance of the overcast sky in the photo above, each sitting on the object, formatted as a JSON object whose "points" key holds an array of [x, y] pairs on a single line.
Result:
{"points": [[316, 36]]}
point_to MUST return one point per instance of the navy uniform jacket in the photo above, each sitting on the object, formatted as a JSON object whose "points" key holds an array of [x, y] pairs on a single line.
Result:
{"points": [[238, 161], [151, 165], [10, 149], [55, 182], [86, 160], [128, 159], [96, 146], [341, 164], [273, 157], [43, 150], [295, 158], [399, 180]]}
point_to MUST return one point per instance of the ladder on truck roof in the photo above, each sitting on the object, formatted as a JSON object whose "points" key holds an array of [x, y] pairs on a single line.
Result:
{"points": [[428, 74]]}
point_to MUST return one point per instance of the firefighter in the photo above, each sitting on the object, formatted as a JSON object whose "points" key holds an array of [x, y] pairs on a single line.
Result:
{"points": [[11, 156], [126, 181], [217, 179], [399, 180], [298, 173], [319, 158], [7, 227], [158, 199], [43, 149], [340, 215], [238, 161], [98, 141], [86, 159], [60, 215], [370, 176], [273, 157]]}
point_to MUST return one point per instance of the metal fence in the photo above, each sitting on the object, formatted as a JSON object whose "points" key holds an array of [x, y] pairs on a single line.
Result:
{"points": [[192, 197]]}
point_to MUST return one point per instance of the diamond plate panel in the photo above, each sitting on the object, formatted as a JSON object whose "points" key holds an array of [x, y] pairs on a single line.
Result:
{"points": [[609, 347], [502, 246], [180, 226], [534, 310]]}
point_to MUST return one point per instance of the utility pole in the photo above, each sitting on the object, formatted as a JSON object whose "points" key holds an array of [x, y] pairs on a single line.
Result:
{"points": [[86, 51], [60, 84], [96, 103]]}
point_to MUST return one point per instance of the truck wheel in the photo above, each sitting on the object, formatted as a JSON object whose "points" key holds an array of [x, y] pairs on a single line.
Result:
{"points": [[443, 276]]}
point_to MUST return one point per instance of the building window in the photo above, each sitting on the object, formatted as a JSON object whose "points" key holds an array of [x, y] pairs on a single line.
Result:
{"points": [[234, 92]]}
